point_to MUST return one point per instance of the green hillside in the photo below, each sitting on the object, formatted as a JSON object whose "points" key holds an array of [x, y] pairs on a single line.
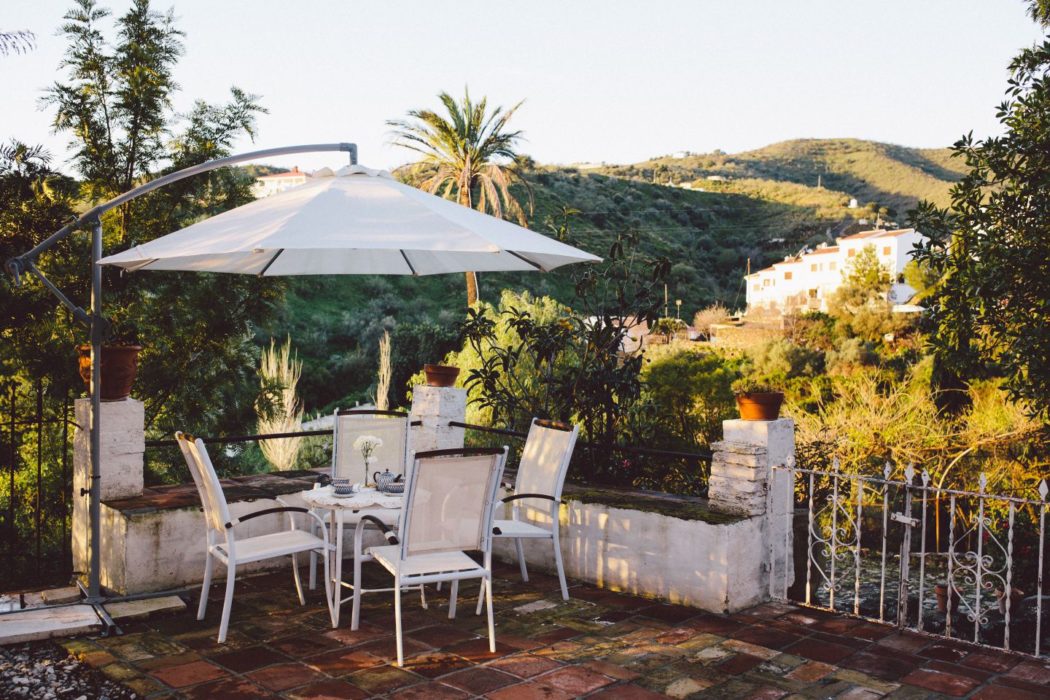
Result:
{"points": [[767, 207], [895, 177]]}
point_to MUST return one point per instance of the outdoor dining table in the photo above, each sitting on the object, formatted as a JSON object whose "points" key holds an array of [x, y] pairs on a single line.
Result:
{"points": [[366, 501]]}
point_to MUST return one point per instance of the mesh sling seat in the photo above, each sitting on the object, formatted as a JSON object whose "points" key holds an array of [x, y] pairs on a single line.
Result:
{"points": [[223, 545], [537, 492], [392, 427], [449, 502]]}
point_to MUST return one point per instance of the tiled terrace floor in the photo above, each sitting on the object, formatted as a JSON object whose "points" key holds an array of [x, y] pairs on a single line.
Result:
{"points": [[599, 644]]}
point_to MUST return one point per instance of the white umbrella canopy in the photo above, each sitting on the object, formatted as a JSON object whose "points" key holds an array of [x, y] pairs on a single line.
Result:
{"points": [[354, 221]]}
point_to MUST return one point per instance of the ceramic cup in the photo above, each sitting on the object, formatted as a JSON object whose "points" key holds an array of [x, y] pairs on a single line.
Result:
{"points": [[343, 487]]}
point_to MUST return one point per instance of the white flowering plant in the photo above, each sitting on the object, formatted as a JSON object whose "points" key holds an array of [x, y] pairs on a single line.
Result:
{"points": [[367, 445]]}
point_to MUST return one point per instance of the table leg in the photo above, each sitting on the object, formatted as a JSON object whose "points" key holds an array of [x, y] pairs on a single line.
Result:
{"points": [[337, 583]]}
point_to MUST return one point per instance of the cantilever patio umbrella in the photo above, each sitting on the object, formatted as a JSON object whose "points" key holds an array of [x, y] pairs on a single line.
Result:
{"points": [[355, 221]]}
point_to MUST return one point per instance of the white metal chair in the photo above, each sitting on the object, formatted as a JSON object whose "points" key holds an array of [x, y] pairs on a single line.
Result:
{"points": [[449, 502], [537, 492], [224, 546], [392, 427]]}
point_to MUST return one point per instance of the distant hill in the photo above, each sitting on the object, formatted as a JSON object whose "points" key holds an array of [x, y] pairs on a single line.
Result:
{"points": [[767, 206]]}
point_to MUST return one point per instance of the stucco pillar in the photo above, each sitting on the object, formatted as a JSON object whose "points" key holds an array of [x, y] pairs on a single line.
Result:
{"points": [[434, 407], [123, 444], [744, 481]]}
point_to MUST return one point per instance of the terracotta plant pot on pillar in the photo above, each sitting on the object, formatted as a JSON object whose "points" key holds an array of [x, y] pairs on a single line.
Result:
{"points": [[757, 401], [120, 364], [440, 375]]}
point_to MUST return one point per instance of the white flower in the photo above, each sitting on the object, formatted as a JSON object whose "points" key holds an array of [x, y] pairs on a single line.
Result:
{"points": [[367, 444]]}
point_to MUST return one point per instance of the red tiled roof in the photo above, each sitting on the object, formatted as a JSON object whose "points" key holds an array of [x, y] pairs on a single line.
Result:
{"points": [[864, 234], [893, 234]]}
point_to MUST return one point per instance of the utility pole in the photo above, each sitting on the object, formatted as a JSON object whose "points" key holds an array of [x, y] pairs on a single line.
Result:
{"points": [[666, 312]]}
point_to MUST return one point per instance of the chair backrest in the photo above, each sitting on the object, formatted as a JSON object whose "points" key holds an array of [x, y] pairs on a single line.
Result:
{"points": [[449, 501], [545, 460], [216, 512], [389, 426]]}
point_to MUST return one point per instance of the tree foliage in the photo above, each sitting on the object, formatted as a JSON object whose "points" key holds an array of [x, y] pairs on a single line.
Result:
{"points": [[468, 155], [113, 99], [990, 251]]}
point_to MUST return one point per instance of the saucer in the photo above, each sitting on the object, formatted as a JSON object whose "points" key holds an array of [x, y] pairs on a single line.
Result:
{"points": [[342, 495]]}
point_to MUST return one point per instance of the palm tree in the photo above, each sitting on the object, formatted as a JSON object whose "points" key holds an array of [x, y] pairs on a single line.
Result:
{"points": [[468, 154]]}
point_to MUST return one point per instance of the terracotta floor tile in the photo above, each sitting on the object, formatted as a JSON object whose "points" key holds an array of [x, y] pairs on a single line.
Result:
{"points": [[627, 691], [435, 664], [188, 674], [612, 670], [943, 652], [576, 680], [955, 686], [432, 690], [303, 645], [887, 668], [741, 663], [989, 661], [331, 689], [441, 636], [477, 650], [819, 650], [228, 689], [767, 636], [1031, 671], [811, 671], [904, 641], [383, 679], [944, 667], [715, 624], [341, 662], [524, 665], [769, 692], [480, 680], [244, 660], [1002, 692], [285, 676], [531, 690]]}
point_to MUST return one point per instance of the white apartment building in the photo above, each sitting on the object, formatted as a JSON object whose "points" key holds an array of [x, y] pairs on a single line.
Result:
{"points": [[807, 281], [278, 182]]}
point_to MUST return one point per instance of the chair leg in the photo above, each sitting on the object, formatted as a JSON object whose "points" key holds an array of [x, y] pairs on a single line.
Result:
{"points": [[561, 567], [206, 585], [423, 596], [521, 559], [313, 571], [355, 610], [397, 621], [328, 589], [298, 581], [227, 604], [485, 593], [481, 598], [452, 600], [487, 587]]}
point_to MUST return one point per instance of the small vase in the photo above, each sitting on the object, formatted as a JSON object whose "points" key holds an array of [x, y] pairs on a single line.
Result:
{"points": [[367, 481]]}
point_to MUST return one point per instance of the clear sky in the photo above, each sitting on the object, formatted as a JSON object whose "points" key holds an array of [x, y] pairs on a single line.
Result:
{"points": [[609, 80]]}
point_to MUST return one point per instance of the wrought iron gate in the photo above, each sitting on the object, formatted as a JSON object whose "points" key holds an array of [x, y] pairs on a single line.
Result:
{"points": [[874, 543]]}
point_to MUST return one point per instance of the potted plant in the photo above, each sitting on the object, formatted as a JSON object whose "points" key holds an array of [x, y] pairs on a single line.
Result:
{"points": [[1016, 594], [120, 362], [940, 591], [440, 375], [757, 400]]}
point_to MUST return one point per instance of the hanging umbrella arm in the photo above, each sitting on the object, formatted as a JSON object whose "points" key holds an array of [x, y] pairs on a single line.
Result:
{"points": [[19, 265]]}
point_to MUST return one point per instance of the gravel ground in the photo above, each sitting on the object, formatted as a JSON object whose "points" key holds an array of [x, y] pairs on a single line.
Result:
{"points": [[45, 671]]}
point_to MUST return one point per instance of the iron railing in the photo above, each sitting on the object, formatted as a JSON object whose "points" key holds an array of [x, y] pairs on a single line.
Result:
{"points": [[35, 483], [965, 565]]}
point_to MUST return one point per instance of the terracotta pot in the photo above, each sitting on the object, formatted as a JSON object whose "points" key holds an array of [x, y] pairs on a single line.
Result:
{"points": [[440, 375], [1016, 594], [120, 364], [941, 592], [760, 405]]}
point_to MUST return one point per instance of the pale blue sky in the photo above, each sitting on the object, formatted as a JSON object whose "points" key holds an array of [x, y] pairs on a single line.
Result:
{"points": [[606, 81]]}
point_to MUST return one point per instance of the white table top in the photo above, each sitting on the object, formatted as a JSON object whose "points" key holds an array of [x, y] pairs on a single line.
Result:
{"points": [[324, 497]]}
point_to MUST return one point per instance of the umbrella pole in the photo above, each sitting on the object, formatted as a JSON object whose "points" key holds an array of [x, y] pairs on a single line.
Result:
{"points": [[94, 592]]}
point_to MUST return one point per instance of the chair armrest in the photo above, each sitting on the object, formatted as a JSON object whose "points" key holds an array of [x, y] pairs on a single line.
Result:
{"points": [[387, 532], [266, 511], [518, 496]]}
